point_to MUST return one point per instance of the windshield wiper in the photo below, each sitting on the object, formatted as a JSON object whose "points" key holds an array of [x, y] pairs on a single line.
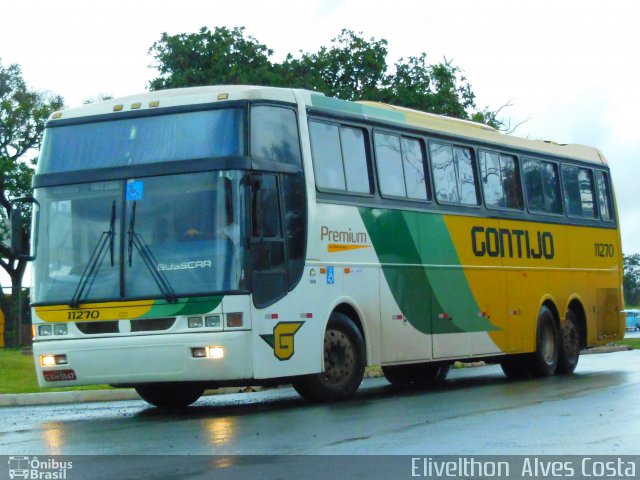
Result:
{"points": [[105, 242], [136, 240]]}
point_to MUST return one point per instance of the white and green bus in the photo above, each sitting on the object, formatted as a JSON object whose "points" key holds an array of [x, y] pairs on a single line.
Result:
{"points": [[196, 238]]}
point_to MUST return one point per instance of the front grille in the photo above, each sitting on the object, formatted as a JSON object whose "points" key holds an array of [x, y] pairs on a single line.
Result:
{"points": [[144, 325], [93, 328]]}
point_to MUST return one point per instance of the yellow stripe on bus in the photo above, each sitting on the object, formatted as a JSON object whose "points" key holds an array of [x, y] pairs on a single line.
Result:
{"points": [[340, 247], [515, 265], [88, 312]]}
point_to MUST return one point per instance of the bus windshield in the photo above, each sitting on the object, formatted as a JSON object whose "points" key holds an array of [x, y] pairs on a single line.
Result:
{"points": [[172, 235], [142, 140]]}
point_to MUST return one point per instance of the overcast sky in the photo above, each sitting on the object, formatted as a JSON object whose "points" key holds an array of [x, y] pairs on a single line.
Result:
{"points": [[571, 68]]}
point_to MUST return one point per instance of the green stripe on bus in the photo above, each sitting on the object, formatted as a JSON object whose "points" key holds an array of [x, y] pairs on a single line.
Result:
{"points": [[406, 241], [320, 101], [184, 306]]}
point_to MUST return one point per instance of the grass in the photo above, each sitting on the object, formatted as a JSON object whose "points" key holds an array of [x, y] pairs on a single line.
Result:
{"points": [[630, 342], [18, 375]]}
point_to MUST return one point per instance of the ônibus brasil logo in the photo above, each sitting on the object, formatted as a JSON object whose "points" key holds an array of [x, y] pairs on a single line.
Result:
{"points": [[34, 468]]}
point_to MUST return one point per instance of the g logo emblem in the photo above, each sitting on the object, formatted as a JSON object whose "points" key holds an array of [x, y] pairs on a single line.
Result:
{"points": [[282, 339]]}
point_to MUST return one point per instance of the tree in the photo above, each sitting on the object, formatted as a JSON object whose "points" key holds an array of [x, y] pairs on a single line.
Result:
{"points": [[631, 280], [350, 68], [23, 114], [438, 88], [210, 58]]}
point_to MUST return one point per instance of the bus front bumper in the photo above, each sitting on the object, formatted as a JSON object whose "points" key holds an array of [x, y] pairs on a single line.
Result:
{"points": [[145, 359]]}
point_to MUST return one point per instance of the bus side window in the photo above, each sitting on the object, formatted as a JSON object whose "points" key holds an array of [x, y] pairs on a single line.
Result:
{"points": [[354, 157], [389, 164], [444, 172], [414, 176], [327, 156], [454, 174], [500, 180], [400, 164], [466, 176], [542, 186], [551, 188], [604, 196], [577, 184], [274, 134], [340, 157]]}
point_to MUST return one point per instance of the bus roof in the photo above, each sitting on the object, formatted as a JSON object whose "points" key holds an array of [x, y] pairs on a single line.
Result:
{"points": [[370, 110]]}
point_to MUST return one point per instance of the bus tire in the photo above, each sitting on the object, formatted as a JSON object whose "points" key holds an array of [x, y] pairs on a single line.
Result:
{"points": [[569, 345], [418, 375], [545, 358], [344, 363], [170, 395], [516, 367]]}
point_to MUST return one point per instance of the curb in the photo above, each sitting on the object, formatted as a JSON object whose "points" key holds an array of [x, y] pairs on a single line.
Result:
{"points": [[76, 396], [606, 349], [85, 396]]}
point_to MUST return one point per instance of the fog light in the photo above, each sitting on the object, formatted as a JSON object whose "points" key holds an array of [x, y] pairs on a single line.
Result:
{"points": [[195, 322], [215, 352], [212, 321], [198, 352], [61, 360], [45, 330], [47, 360], [60, 329], [234, 320]]}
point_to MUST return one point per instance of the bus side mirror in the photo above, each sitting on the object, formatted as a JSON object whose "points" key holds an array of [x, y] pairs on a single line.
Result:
{"points": [[19, 232]]}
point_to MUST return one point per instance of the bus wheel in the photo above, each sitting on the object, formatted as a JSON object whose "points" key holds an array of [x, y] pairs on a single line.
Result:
{"points": [[569, 345], [418, 375], [344, 363], [170, 395], [545, 358], [516, 367]]}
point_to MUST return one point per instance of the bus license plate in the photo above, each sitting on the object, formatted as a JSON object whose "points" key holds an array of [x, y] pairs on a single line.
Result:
{"points": [[59, 375]]}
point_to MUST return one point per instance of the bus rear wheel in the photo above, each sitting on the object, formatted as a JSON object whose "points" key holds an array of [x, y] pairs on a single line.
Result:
{"points": [[344, 363], [545, 358], [569, 345], [170, 395], [418, 375]]}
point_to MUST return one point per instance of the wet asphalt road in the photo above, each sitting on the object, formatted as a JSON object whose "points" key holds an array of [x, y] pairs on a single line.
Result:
{"points": [[594, 411]]}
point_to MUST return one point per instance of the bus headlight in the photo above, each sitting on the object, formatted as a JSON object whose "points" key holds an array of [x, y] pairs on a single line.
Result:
{"points": [[60, 329], [215, 352], [47, 360], [195, 322], [53, 360], [212, 321], [45, 330]]}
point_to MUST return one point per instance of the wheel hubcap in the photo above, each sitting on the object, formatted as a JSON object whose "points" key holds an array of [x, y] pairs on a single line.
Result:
{"points": [[548, 345], [339, 356]]}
